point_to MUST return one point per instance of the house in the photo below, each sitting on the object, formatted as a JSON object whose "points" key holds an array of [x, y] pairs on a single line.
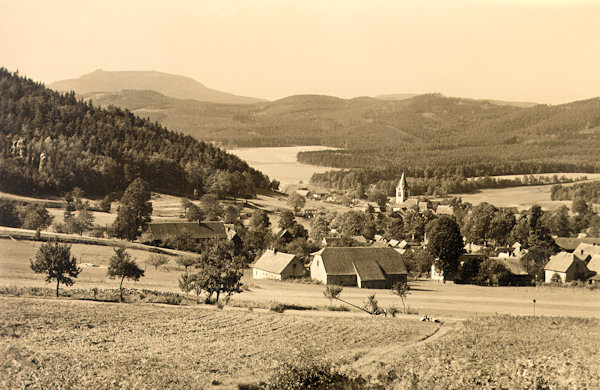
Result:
{"points": [[303, 192], [569, 244], [232, 234], [594, 268], [584, 251], [277, 265], [422, 206], [517, 250], [362, 240], [567, 266], [444, 210], [517, 274], [158, 232], [363, 267], [285, 235]]}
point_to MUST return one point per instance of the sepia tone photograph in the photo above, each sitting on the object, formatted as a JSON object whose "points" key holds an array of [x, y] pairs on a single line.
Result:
{"points": [[300, 194]]}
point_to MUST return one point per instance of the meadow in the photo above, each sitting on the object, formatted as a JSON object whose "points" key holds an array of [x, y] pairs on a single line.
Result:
{"points": [[426, 298]]}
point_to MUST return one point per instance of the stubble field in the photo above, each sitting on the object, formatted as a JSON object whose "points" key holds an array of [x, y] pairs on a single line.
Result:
{"points": [[47, 343]]}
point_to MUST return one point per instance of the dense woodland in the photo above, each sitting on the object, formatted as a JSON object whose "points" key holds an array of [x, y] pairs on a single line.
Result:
{"points": [[429, 136], [590, 192], [51, 143]]}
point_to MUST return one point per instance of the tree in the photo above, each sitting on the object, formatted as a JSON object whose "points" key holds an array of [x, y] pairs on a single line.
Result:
{"points": [[55, 260], [536, 258], [491, 272], [500, 227], [105, 204], [186, 283], [210, 208], [84, 220], [579, 206], [134, 212], [186, 261], [332, 292], [445, 244], [286, 219], [477, 225], [194, 214], [219, 269], [414, 224], [123, 266], [319, 229], [157, 260], [36, 217], [297, 202], [402, 290], [379, 197], [8, 214]]}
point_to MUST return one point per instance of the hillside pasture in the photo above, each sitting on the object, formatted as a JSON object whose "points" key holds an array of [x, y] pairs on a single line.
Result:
{"points": [[80, 344]]}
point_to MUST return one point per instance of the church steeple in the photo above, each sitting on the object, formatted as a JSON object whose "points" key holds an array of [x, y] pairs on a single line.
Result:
{"points": [[401, 190]]}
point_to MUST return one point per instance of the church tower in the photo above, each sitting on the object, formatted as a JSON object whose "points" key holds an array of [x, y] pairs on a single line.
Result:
{"points": [[401, 190]]}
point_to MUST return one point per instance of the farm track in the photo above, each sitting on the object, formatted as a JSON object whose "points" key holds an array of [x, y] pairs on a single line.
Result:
{"points": [[372, 358]]}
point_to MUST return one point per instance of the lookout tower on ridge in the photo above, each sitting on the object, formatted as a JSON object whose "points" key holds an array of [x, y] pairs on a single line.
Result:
{"points": [[401, 190]]}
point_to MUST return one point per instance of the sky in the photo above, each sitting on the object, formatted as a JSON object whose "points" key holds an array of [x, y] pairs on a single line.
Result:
{"points": [[544, 51]]}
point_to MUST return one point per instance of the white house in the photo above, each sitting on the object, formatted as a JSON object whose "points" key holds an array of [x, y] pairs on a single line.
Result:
{"points": [[277, 265]]}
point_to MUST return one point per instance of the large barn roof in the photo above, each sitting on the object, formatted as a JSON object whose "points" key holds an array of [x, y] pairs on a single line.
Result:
{"points": [[196, 230], [570, 243], [560, 262], [272, 261], [349, 261]]}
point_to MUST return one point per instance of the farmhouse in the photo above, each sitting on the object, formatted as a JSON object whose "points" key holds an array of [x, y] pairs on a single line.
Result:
{"points": [[197, 231], [363, 267], [585, 251], [517, 274], [277, 265], [567, 266]]}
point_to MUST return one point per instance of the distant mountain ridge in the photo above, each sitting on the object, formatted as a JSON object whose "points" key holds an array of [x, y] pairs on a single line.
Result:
{"points": [[404, 96], [174, 86]]}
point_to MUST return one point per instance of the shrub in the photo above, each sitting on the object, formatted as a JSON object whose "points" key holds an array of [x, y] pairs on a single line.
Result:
{"points": [[556, 278], [312, 376], [393, 310]]}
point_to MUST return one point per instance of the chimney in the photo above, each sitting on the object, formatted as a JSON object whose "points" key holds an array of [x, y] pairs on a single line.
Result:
{"points": [[275, 250]]}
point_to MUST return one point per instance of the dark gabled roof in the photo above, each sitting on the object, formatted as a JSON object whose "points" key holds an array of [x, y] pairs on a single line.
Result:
{"points": [[570, 243], [202, 230], [512, 264], [343, 260], [368, 270], [274, 262]]}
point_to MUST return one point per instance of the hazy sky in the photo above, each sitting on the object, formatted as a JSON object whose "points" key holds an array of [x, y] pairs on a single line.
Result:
{"points": [[530, 50]]}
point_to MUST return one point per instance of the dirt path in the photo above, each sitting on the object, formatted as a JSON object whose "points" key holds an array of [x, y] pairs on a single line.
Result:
{"points": [[372, 358]]}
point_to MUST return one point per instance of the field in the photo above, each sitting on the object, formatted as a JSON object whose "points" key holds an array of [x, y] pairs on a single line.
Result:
{"points": [[504, 352], [47, 343], [427, 297]]}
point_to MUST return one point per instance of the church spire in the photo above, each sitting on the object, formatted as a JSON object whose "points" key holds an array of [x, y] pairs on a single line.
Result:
{"points": [[401, 190]]}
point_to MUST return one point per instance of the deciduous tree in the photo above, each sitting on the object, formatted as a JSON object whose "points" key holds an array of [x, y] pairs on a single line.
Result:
{"points": [[135, 211], [55, 260], [123, 266], [445, 243]]}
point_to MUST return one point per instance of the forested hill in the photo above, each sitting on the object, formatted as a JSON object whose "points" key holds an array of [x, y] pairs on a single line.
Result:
{"points": [[51, 142]]}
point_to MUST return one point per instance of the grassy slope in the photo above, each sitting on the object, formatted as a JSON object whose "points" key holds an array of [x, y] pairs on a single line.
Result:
{"points": [[78, 344]]}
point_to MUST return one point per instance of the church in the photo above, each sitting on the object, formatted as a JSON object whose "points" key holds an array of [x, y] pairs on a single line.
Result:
{"points": [[402, 196]]}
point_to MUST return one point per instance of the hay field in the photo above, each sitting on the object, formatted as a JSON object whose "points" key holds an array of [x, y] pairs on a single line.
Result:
{"points": [[48, 343]]}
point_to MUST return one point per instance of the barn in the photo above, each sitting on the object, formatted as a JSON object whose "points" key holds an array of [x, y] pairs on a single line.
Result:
{"points": [[158, 232], [517, 274], [277, 265], [567, 266], [365, 267]]}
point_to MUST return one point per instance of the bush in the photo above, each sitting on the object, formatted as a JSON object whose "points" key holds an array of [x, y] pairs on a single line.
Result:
{"points": [[556, 278], [279, 307], [312, 376]]}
